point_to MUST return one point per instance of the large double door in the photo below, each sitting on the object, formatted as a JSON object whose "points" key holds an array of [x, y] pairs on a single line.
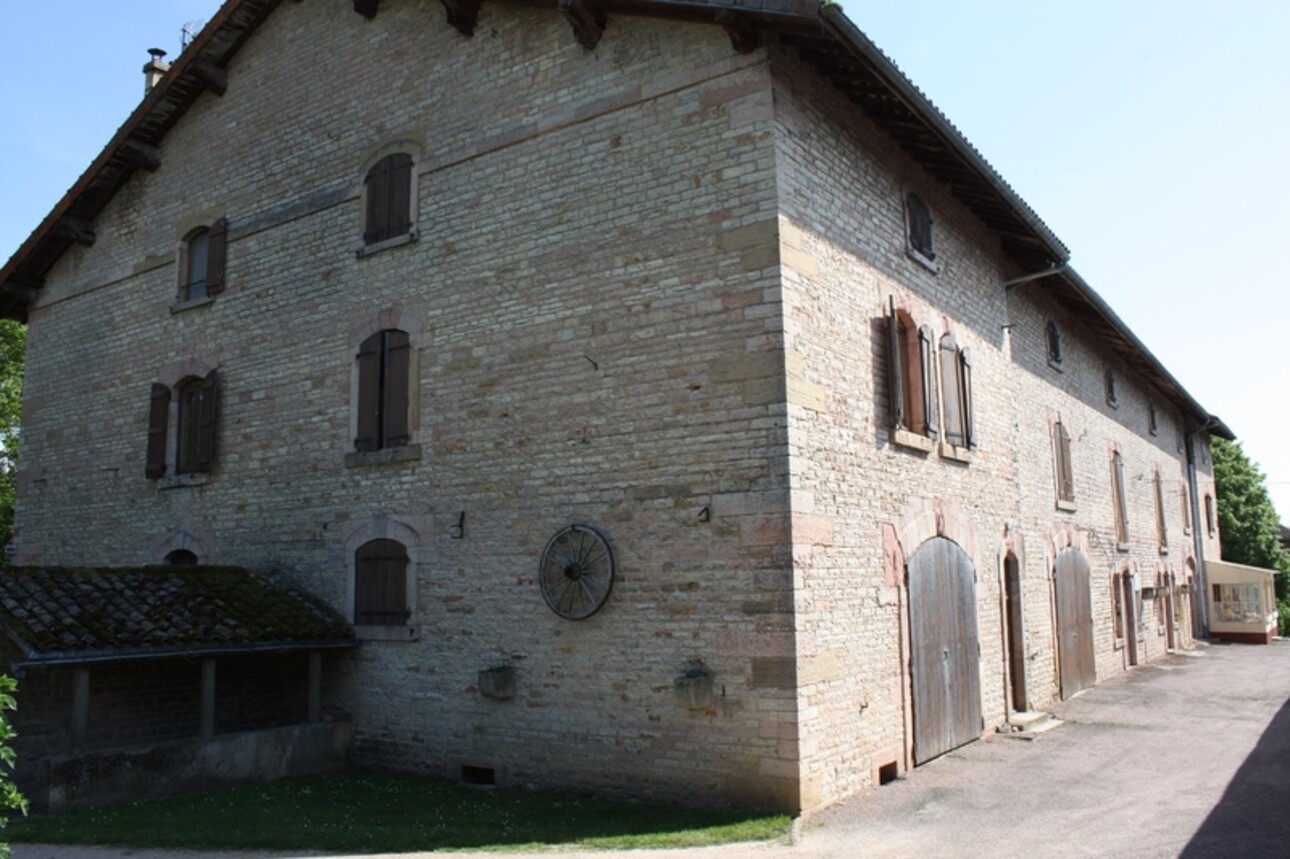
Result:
{"points": [[944, 649]]}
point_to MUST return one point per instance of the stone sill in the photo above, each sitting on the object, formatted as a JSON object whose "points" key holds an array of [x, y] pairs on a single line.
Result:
{"points": [[396, 241], [368, 632], [1056, 365], [957, 454], [1119, 644], [913, 440], [1068, 506], [189, 304], [177, 481], [1122, 547], [929, 264], [1164, 550], [361, 458]]}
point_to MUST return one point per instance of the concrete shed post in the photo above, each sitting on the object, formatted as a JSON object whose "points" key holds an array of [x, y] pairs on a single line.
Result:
{"points": [[315, 687], [208, 697], [80, 706]]}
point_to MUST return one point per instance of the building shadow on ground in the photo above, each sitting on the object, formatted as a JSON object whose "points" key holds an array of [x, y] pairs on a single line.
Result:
{"points": [[1253, 817]]}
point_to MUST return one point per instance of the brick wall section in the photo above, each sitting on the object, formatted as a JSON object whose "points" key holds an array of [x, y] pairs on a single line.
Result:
{"points": [[861, 504], [596, 288]]}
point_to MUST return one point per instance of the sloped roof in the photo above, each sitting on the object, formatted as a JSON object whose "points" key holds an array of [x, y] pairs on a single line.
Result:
{"points": [[62, 615], [823, 35]]}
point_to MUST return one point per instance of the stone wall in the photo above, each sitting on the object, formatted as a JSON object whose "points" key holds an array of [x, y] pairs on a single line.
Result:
{"points": [[594, 299]]}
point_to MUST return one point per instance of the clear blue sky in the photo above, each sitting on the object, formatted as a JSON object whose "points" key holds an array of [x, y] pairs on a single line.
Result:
{"points": [[1150, 136]]}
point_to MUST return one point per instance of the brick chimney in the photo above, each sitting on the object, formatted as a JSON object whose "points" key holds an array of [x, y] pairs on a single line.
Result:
{"points": [[154, 69]]}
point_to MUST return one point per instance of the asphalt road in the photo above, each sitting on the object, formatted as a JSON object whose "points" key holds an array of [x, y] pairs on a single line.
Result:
{"points": [[1188, 757]]}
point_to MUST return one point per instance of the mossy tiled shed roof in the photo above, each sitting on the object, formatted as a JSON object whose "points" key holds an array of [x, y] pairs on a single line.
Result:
{"points": [[76, 615]]}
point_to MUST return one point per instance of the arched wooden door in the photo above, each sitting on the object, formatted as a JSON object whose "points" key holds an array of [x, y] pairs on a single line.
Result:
{"points": [[944, 651], [1074, 622]]}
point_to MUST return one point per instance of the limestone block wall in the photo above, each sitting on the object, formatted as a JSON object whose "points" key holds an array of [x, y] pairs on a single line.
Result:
{"points": [[594, 298]]}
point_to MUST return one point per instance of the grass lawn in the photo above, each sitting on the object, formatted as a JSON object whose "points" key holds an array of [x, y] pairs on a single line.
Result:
{"points": [[378, 813]]}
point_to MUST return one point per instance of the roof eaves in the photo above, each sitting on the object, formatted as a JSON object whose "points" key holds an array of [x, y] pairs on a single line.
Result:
{"points": [[847, 32], [230, 26], [1089, 295], [49, 659]]}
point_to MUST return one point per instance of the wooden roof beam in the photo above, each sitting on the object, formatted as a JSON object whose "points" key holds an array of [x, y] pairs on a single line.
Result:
{"points": [[463, 15], [140, 154], [79, 231], [743, 35], [215, 78], [588, 21]]}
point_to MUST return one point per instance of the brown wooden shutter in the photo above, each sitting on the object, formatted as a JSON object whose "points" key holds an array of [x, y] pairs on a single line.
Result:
{"points": [[218, 239], [1162, 527], [965, 382], [394, 384], [896, 371], [380, 583], [1121, 508], [398, 218], [378, 202], [1065, 472], [369, 394], [926, 350], [207, 419], [158, 420], [951, 391]]}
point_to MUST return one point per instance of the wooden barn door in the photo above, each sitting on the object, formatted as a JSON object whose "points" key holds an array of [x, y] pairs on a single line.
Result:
{"points": [[1074, 622], [944, 652]]}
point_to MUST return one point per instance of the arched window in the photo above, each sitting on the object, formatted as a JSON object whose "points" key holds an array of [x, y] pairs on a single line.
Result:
{"points": [[195, 426], [918, 224], [388, 192], [1112, 398], [912, 375], [201, 270], [384, 360], [1054, 344], [181, 440], [380, 584], [181, 558]]}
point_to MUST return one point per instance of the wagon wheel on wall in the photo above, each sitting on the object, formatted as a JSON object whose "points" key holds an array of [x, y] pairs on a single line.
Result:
{"points": [[577, 572]]}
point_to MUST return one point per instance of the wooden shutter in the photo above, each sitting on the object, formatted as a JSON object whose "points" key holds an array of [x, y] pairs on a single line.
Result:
{"points": [[1121, 509], [369, 394], [218, 239], [926, 347], [398, 198], [158, 420], [1162, 527], [207, 418], [380, 583], [951, 391], [394, 389], [1065, 472], [1186, 506], [965, 381], [896, 371], [378, 202]]}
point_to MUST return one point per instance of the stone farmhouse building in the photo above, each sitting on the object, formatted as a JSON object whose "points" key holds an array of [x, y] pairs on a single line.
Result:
{"points": [[670, 398]]}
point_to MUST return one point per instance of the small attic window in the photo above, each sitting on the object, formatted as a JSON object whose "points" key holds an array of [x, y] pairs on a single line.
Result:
{"points": [[1112, 398], [1054, 344], [201, 263], [918, 230], [1153, 419]]}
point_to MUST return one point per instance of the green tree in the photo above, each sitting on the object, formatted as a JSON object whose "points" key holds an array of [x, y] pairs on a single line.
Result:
{"points": [[13, 352], [10, 798], [1247, 518]]}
